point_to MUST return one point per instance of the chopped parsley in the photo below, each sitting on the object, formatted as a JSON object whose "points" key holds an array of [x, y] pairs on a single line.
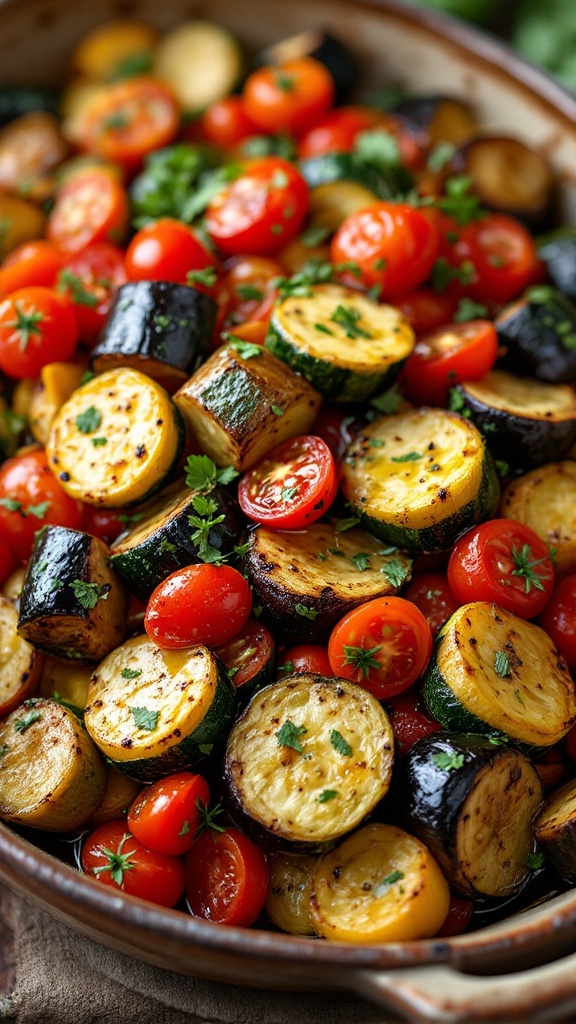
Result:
{"points": [[249, 291], [361, 560], [21, 724], [88, 594], [131, 673], [502, 665], [145, 719], [408, 457], [207, 276], [288, 735], [382, 887], [347, 317], [80, 295], [98, 442], [245, 349], [204, 522], [305, 611], [534, 861], [448, 760], [89, 420], [458, 202], [388, 402], [326, 795], [288, 493], [202, 473], [277, 410], [395, 571], [341, 746]]}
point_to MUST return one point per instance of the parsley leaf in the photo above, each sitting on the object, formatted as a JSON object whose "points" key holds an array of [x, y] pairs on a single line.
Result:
{"points": [[395, 571], [388, 402], [245, 349], [361, 560], [458, 202], [39, 511], [534, 861], [88, 594], [382, 887], [144, 718], [347, 317], [326, 795], [11, 504], [202, 473], [21, 724], [448, 760], [502, 665], [341, 746], [131, 673], [408, 457], [288, 735], [89, 420], [79, 294], [469, 310], [304, 611], [206, 276]]}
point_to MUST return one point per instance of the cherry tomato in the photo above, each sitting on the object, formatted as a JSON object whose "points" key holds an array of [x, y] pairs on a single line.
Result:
{"points": [[246, 289], [426, 310], [131, 118], [337, 428], [248, 653], [504, 561], [457, 919], [393, 244], [504, 256], [559, 619], [31, 497], [259, 211], [288, 97], [37, 327], [292, 486], [8, 561], [166, 816], [165, 250], [199, 604], [453, 353], [105, 523], [91, 206], [35, 262], [336, 131], [90, 279], [225, 123], [384, 645], [114, 857], [226, 878], [306, 658], [410, 721], [430, 592]]}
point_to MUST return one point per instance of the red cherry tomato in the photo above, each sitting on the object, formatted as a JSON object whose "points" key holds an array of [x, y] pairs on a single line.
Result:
{"points": [[455, 352], [247, 654], [31, 497], [393, 244], [246, 291], [35, 262], [165, 250], [225, 123], [306, 658], [89, 279], [292, 486], [430, 592], [336, 131], [226, 878], [457, 919], [384, 645], [504, 256], [91, 206], [559, 619], [114, 857], [504, 561], [261, 210], [199, 604], [131, 118], [288, 97], [166, 816], [337, 428], [427, 310], [410, 721], [37, 327], [8, 561], [105, 523]]}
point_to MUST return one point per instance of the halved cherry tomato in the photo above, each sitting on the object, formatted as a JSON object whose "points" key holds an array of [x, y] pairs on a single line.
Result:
{"points": [[166, 815], [384, 645], [453, 353], [288, 97], [426, 310], [393, 244], [130, 119], [114, 857], [226, 878], [261, 210], [505, 561], [246, 289], [91, 206], [336, 131], [37, 327], [32, 263], [248, 653], [165, 250], [90, 279], [31, 497], [410, 721], [199, 604], [430, 592], [503, 254], [306, 658], [457, 919], [559, 619], [225, 123], [292, 486]]}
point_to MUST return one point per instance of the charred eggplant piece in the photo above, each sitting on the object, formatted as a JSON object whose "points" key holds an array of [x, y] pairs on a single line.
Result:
{"points": [[556, 830], [436, 119], [538, 333], [17, 100], [323, 47], [558, 251]]}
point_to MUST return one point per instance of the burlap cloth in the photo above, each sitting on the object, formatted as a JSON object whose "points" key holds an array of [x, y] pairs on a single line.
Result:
{"points": [[52, 976]]}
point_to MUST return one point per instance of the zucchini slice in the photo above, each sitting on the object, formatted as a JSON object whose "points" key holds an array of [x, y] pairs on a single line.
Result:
{"points": [[509, 177], [556, 830], [494, 672], [73, 604], [51, 774], [116, 440], [537, 335], [152, 711], [380, 885], [346, 345], [309, 758], [161, 541], [158, 327], [20, 662], [306, 580], [545, 499], [474, 804], [525, 422], [288, 900], [200, 61], [239, 408], [420, 478]]}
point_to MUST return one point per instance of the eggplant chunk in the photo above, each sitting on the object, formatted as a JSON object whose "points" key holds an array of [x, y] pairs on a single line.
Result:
{"points": [[558, 252], [73, 604], [51, 774], [537, 335], [20, 662], [288, 900], [473, 803], [509, 177], [545, 499], [437, 119], [379, 885], [556, 830], [309, 758], [307, 580]]}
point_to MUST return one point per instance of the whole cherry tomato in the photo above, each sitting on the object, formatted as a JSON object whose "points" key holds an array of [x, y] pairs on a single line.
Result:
{"points": [[288, 97], [225, 123], [559, 619], [449, 355], [306, 658], [166, 815], [457, 919], [246, 290], [36, 262], [165, 250], [199, 604], [37, 326], [426, 310], [503, 254], [114, 857], [292, 486], [226, 878], [31, 497], [410, 720], [336, 131]]}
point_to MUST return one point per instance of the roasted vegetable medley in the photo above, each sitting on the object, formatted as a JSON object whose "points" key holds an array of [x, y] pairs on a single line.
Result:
{"points": [[287, 491]]}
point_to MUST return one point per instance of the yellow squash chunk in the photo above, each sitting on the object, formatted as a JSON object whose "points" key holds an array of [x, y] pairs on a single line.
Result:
{"points": [[116, 46], [545, 499], [288, 900], [119, 794], [66, 680], [20, 220], [20, 662], [57, 383]]}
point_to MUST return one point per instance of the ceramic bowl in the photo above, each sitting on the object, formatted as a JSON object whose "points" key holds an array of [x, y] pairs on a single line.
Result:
{"points": [[473, 976]]}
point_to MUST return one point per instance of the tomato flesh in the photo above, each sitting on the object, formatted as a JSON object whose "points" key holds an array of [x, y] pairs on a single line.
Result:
{"points": [[226, 878], [293, 486]]}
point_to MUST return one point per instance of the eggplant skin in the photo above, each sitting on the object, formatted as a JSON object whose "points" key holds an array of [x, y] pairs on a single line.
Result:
{"points": [[533, 346]]}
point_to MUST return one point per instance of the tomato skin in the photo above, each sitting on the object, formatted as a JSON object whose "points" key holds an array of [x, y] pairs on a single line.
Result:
{"points": [[105, 523], [559, 620], [504, 256], [427, 310], [457, 919], [245, 291], [336, 131], [90, 279], [260, 211], [337, 428], [151, 876], [8, 561], [130, 119], [431, 593], [451, 354], [50, 336], [199, 604], [226, 124], [288, 98], [165, 816], [306, 658], [27, 480], [394, 245], [410, 722], [303, 465], [398, 638], [486, 564], [35, 262], [226, 878], [165, 251], [91, 206]]}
